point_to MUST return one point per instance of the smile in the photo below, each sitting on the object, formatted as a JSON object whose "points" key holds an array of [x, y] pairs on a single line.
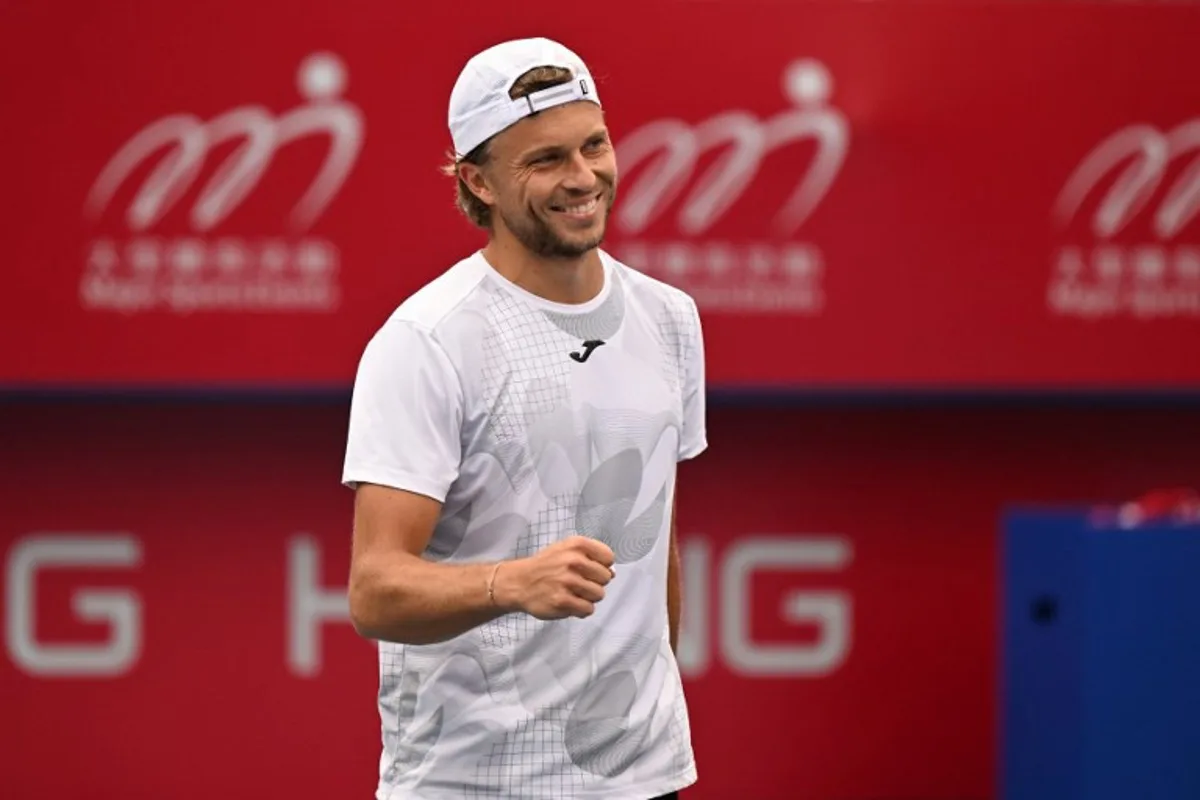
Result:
{"points": [[580, 210]]}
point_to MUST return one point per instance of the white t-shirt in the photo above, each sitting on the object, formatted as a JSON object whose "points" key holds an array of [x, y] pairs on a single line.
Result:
{"points": [[533, 421]]}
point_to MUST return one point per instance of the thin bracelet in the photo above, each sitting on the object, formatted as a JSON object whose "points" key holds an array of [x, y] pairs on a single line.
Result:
{"points": [[491, 587]]}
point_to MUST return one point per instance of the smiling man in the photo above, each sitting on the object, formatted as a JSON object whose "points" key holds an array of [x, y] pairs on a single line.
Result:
{"points": [[514, 434]]}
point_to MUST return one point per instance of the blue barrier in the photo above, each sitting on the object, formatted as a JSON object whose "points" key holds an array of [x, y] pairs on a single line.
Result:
{"points": [[1100, 681]]}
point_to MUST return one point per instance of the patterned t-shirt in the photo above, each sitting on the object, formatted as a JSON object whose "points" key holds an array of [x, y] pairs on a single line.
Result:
{"points": [[532, 421]]}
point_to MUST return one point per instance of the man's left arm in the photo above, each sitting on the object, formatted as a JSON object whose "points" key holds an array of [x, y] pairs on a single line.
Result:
{"points": [[674, 587], [693, 441]]}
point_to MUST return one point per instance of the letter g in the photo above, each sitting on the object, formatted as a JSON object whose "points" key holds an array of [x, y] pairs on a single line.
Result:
{"points": [[121, 610]]}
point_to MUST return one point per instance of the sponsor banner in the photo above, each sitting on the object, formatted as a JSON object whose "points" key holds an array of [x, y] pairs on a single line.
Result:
{"points": [[881, 195], [178, 629], [281, 269]]}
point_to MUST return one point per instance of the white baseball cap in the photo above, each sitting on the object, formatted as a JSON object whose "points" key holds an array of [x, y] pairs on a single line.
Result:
{"points": [[479, 103]]}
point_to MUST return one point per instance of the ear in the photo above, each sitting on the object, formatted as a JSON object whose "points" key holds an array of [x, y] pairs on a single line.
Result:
{"points": [[477, 181]]}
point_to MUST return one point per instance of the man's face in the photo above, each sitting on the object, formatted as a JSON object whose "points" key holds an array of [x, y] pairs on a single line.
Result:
{"points": [[553, 179]]}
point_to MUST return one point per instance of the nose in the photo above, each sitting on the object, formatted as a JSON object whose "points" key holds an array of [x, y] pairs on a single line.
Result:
{"points": [[579, 174]]}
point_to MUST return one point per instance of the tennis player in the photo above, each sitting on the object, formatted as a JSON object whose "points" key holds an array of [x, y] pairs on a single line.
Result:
{"points": [[513, 440]]}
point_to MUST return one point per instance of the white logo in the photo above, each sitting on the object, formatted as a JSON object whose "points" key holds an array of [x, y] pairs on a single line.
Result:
{"points": [[281, 270], [1156, 277], [775, 273]]}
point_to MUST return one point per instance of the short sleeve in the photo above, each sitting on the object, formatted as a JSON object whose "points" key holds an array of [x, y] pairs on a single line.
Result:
{"points": [[694, 439], [406, 414]]}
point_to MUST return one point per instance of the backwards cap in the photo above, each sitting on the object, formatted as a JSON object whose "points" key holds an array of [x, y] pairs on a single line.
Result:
{"points": [[479, 103]]}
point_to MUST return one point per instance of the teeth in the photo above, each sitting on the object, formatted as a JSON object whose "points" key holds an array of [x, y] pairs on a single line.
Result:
{"points": [[583, 208]]}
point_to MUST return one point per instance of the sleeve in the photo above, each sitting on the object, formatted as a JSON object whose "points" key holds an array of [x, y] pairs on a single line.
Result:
{"points": [[694, 438], [406, 414]]}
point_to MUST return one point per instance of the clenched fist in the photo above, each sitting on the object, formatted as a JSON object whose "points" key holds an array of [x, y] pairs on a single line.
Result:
{"points": [[566, 579]]}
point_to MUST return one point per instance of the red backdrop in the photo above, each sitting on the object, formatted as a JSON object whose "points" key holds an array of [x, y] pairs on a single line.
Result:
{"points": [[883, 196], [232, 693], [989, 194]]}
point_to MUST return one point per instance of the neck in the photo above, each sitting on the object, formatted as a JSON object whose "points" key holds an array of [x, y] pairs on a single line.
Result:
{"points": [[559, 280]]}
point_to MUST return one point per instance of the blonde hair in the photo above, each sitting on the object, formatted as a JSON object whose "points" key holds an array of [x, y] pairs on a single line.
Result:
{"points": [[477, 211]]}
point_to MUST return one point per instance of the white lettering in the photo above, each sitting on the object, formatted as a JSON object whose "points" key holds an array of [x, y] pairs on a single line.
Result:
{"points": [[309, 606], [830, 610], [120, 610], [693, 651]]}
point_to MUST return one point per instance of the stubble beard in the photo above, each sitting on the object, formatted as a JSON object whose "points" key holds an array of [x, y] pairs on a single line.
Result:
{"points": [[540, 238]]}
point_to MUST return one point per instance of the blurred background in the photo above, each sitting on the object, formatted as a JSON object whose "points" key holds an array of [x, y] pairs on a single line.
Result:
{"points": [[948, 265]]}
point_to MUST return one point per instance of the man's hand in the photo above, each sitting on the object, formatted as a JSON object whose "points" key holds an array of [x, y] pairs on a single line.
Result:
{"points": [[566, 579]]}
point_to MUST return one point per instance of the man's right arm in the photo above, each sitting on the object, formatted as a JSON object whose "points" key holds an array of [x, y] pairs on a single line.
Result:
{"points": [[398, 596], [402, 456]]}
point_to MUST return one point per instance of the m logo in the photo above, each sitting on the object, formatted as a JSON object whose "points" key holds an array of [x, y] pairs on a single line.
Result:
{"points": [[673, 151], [1124, 271], [588, 347], [699, 172], [259, 134], [141, 266], [1146, 154]]}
